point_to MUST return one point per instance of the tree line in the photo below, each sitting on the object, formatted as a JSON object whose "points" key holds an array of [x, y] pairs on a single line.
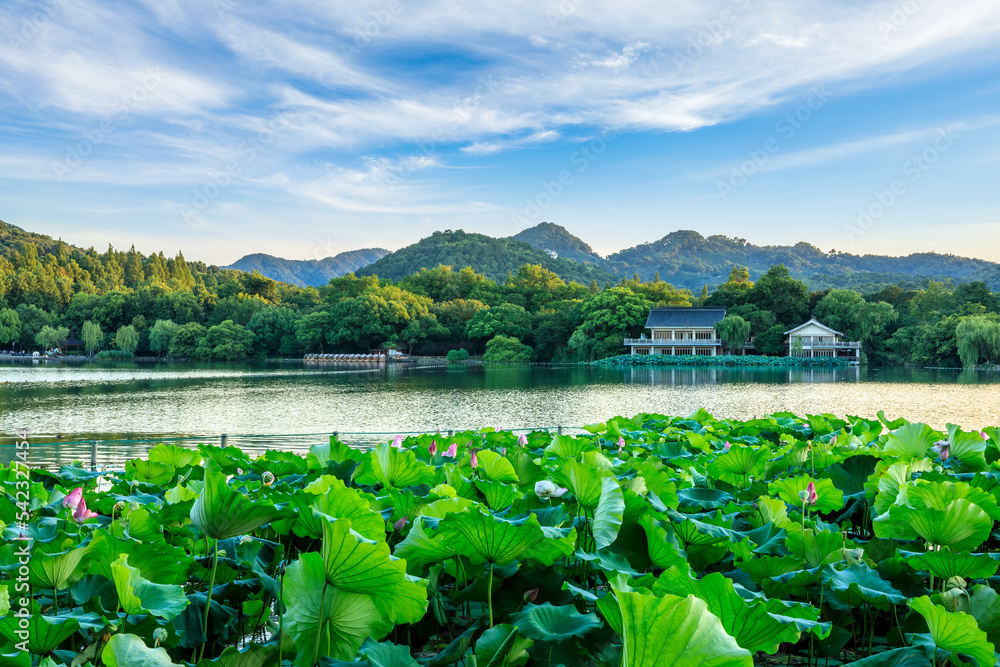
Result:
{"points": [[154, 305]]}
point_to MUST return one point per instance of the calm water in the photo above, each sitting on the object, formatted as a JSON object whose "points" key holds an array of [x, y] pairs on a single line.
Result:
{"points": [[137, 401]]}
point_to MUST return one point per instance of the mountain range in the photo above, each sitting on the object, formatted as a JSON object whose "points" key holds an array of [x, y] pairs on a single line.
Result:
{"points": [[305, 272]]}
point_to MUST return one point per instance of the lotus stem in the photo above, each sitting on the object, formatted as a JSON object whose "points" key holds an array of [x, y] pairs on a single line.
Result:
{"points": [[208, 602], [319, 625], [489, 594]]}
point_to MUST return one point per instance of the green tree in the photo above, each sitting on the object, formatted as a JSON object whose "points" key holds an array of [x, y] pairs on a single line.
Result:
{"points": [[508, 349], [33, 320], [10, 326], [184, 342], [225, 341], [50, 337], [93, 336], [127, 339], [312, 330], [783, 295], [617, 311], [847, 311], [978, 338], [508, 319], [734, 331], [771, 342], [160, 334], [274, 331]]}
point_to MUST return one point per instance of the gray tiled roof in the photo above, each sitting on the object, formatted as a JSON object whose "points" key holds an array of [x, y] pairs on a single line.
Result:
{"points": [[684, 317]]}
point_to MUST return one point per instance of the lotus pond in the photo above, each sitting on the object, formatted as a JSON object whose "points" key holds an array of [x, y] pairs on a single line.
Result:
{"points": [[655, 540]]}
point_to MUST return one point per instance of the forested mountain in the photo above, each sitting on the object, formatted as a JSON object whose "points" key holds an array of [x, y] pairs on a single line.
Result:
{"points": [[494, 258], [309, 272], [688, 259], [547, 236]]}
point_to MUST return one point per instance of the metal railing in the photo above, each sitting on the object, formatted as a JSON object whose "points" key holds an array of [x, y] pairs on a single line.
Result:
{"points": [[675, 342], [824, 341]]}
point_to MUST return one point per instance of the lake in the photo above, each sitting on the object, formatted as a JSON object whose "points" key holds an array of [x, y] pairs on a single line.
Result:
{"points": [[76, 402]]}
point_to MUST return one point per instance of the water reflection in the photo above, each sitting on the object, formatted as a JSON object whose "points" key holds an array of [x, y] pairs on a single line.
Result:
{"points": [[701, 375]]}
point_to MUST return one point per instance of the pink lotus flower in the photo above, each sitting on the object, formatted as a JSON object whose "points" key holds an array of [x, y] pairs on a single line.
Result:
{"points": [[529, 596], [941, 449], [726, 447], [522, 440], [983, 435], [397, 442], [811, 495], [399, 525], [503, 451], [545, 490], [452, 451], [433, 449], [474, 461], [81, 513], [74, 498], [621, 443]]}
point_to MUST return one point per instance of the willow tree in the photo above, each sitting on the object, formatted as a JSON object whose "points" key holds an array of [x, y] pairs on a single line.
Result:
{"points": [[92, 336], [978, 338], [734, 331], [127, 339]]}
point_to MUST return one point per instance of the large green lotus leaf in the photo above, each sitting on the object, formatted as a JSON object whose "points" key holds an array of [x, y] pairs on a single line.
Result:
{"points": [[702, 498], [222, 512], [45, 633], [968, 448], [347, 618], [479, 534], [739, 464], [528, 472], [984, 606], [330, 496], [962, 526], [4, 600], [816, 546], [768, 539], [767, 567], [635, 503], [441, 508], [358, 565], [954, 632], [130, 651], [584, 482], [658, 481], [173, 455], [896, 476], [140, 596], [149, 471], [911, 441], [502, 646], [554, 624], [423, 546], [558, 543], [851, 474], [945, 564], [498, 496], [672, 631], [399, 468], [665, 549], [609, 513], [57, 569], [828, 497], [280, 463], [748, 623], [496, 468], [937, 495], [254, 655], [858, 584], [795, 583], [769, 510], [157, 562], [386, 654], [906, 656], [567, 447]]}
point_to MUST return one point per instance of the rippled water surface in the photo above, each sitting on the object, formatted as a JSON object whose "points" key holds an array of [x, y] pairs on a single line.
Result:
{"points": [[74, 402]]}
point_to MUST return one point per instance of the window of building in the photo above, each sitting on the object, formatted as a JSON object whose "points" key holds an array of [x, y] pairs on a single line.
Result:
{"points": [[703, 351], [684, 350], [704, 335]]}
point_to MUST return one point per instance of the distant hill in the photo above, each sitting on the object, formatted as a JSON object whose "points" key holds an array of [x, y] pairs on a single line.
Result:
{"points": [[492, 257], [550, 237], [688, 259], [311, 272]]}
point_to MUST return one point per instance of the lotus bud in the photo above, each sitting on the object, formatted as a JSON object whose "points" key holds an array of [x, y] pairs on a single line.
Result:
{"points": [[397, 442], [222, 553], [522, 440], [159, 636], [503, 451], [267, 479], [529, 596], [433, 449], [983, 435], [957, 582], [244, 539], [726, 447], [474, 460], [399, 525], [81, 514], [621, 443], [811, 495], [452, 450], [545, 490], [955, 599], [133, 506], [74, 498]]}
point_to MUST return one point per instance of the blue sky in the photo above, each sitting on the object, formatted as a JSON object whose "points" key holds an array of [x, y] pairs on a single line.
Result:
{"points": [[304, 128]]}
